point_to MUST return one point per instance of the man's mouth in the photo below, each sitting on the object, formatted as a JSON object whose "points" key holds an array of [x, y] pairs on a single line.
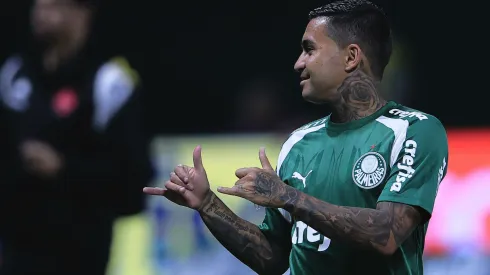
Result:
{"points": [[304, 78]]}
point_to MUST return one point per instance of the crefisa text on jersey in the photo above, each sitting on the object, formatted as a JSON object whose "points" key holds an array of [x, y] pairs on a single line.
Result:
{"points": [[405, 167], [403, 114]]}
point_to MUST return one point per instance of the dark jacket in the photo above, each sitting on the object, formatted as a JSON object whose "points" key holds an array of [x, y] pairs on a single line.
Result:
{"points": [[90, 112]]}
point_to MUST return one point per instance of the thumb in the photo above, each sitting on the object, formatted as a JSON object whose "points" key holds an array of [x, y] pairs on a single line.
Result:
{"points": [[242, 172], [196, 156], [264, 160]]}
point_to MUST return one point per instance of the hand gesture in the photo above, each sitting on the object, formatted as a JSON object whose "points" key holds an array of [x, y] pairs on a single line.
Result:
{"points": [[41, 159], [187, 186], [261, 186]]}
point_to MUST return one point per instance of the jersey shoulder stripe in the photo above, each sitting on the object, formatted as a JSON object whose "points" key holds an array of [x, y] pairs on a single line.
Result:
{"points": [[297, 136], [400, 119]]}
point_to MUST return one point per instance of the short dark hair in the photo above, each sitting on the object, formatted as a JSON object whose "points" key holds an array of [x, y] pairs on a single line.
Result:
{"points": [[360, 22]]}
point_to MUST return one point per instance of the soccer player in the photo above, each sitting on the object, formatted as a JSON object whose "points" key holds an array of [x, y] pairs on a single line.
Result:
{"points": [[353, 192]]}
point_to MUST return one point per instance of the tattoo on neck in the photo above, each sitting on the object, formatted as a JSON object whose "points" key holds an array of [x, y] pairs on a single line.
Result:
{"points": [[358, 97]]}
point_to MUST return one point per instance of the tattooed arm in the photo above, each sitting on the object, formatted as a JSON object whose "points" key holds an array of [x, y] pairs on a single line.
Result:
{"points": [[383, 228], [244, 239], [264, 249]]}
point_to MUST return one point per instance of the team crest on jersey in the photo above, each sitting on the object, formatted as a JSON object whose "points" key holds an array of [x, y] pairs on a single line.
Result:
{"points": [[369, 170]]}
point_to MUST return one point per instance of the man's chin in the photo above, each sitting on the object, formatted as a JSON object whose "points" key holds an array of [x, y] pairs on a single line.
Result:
{"points": [[310, 97]]}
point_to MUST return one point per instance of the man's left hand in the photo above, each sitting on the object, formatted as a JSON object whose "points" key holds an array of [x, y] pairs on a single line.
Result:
{"points": [[41, 158], [261, 186]]}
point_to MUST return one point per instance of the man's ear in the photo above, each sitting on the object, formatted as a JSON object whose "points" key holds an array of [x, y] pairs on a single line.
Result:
{"points": [[353, 57]]}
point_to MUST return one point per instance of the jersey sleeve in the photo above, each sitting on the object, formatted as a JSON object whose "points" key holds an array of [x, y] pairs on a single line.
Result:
{"points": [[420, 167], [277, 223], [276, 226]]}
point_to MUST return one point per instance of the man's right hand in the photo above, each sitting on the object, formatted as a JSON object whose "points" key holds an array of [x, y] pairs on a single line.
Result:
{"points": [[187, 186]]}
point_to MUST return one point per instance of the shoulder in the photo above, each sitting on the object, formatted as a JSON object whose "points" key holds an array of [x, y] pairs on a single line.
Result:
{"points": [[114, 85], [15, 85], [12, 59], [296, 136], [116, 71], [412, 120], [413, 116], [414, 127], [311, 126], [10, 67]]}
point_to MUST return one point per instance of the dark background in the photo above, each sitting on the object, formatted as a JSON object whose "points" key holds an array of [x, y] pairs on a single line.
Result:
{"points": [[194, 57]]}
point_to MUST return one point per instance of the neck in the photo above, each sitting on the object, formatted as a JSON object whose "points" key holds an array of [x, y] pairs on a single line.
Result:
{"points": [[62, 50], [358, 98]]}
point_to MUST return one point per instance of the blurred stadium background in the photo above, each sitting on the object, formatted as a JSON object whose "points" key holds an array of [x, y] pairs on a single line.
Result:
{"points": [[220, 74]]}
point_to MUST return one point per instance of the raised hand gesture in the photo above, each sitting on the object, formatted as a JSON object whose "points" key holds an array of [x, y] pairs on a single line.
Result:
{"points": [[187, 186], [261, 185]]}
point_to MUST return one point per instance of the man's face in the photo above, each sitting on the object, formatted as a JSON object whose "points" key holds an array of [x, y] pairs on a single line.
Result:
{"points": [[54, 18], [321, 64]]}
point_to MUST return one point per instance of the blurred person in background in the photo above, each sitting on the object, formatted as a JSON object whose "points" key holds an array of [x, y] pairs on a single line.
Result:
{"points": [[72, 133], [354, 191]]}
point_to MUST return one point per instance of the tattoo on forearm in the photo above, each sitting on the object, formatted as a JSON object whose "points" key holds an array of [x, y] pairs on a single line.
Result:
{"points": [[242, 238], [384, 228], [231, 219], [273, 189], [358, 97]]}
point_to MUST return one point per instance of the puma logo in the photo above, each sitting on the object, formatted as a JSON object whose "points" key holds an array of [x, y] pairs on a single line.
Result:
{"points": [[297, 175]]}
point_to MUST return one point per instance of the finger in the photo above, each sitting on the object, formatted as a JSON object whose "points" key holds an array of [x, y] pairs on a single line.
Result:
{"points": [[197, 158], [242, 172], [234, 191], [264, 160], [176, 179], [182, 172], [170, 195], [154, 191], [174, 187]]}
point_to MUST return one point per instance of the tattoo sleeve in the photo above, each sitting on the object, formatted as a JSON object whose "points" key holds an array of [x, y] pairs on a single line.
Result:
{"points": [[383, 228], [243, 239]]}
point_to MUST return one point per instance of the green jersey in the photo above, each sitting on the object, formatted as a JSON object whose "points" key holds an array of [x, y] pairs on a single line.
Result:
{"points": [[395, 155]]}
